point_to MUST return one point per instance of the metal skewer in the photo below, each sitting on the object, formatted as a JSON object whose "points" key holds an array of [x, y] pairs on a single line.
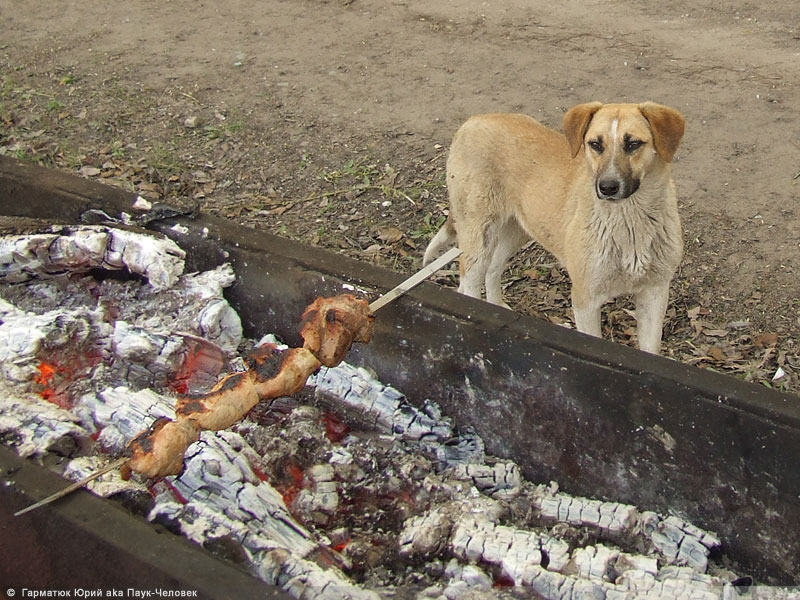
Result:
{"points": [[415, 279], [71, 488]]}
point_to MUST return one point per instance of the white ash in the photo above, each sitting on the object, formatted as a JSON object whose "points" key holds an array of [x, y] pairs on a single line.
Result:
{"points": [[307, 580], [218, 495], [80, 249], [34, 427], [379, 406], [500, 480], [320, 499], [119, 414], [678, 542], [109, 332], [225, 497], [25, 337], [221, 488]]}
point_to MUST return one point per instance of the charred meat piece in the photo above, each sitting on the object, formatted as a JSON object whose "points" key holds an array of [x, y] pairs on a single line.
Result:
{"points": [[280, 372], [158, 451], [228, 402], [331, 325]]}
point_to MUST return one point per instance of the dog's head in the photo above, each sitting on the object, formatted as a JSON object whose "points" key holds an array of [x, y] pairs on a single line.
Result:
{"points": [[623, 142]]}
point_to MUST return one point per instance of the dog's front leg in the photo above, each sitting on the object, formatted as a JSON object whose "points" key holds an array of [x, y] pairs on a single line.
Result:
{"points": [[651, 305], [587, 311]]}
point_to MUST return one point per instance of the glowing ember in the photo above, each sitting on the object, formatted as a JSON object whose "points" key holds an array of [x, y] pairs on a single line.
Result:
{"points": [[53, 387], [335, 428]]}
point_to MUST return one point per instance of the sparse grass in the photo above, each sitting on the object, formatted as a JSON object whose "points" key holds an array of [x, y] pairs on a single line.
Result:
{"points": [[360, 171], [360, 175], [212, 132], [430, 225], [164, 158], [117, 150]]}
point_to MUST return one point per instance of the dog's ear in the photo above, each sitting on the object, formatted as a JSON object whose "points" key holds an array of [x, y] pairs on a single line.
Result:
{"points": [[576, 122], [668, 126]]}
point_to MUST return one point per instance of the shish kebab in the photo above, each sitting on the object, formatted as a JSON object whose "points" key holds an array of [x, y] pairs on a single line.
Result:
{"points": [[329, 327]]}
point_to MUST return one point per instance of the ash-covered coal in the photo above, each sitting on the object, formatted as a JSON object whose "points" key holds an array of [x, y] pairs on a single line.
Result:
{"points": [[346, 490]]}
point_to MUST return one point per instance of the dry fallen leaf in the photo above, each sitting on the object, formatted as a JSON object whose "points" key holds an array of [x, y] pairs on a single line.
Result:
{"points": [[390, 235], [764, 340], [88, 171], [716, 353]]}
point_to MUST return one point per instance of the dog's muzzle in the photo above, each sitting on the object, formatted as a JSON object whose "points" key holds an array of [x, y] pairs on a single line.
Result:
{"points": [[615, 189]]}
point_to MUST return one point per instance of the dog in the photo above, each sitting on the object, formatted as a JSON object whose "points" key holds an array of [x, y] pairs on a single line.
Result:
{"points": [[600, 198]]}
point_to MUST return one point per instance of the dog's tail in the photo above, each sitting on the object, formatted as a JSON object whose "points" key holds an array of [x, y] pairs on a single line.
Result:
{"points": [[445, 237]]}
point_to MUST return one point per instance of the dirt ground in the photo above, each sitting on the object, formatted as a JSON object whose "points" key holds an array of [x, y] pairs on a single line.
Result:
{"points": [[329, 122]]}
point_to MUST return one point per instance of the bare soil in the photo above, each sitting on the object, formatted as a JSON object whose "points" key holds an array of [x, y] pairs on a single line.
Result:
{"points": [[329, 121]]}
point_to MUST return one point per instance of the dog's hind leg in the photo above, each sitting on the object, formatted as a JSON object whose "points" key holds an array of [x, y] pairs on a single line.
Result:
{"points": [[477, 243], [444, 238], [510, 238]]}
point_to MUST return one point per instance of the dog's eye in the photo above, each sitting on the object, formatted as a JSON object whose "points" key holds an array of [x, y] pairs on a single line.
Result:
{"points": [[596, 145], [633, 145]]}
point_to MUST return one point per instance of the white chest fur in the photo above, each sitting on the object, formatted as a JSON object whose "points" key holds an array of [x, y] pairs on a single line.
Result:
{"points": [[633, 242]]}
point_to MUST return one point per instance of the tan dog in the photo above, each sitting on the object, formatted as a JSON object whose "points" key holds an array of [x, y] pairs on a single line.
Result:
{"points": [[600, 198]]}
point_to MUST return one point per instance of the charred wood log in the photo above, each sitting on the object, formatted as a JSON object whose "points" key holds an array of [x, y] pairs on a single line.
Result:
{"points": [[500, 480], [360, 397], [678, 542]]}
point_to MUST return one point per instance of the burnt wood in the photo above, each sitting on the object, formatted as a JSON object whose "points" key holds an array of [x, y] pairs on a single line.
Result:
{"points": [[604, 420]]}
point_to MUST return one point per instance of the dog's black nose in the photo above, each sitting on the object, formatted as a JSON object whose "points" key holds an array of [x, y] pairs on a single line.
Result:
{"points": [[608, 187]]}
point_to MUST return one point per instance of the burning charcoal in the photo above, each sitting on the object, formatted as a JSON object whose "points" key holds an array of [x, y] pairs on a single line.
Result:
{"points": [[320, 499], [35, 427], [80, 249], [306, 580], [120, 414], [195, 304], [502, 479], [106, 485], [601, 563], [475, 538], [427, 534], [219, 494], [27, 339], [679, 542], [331, 325], [675, 582], [355, 392], [219, 323], [471, 575], [149, 359], [219, 477], [466, 448], [634, 562], [389, 502], [613, 517]]}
